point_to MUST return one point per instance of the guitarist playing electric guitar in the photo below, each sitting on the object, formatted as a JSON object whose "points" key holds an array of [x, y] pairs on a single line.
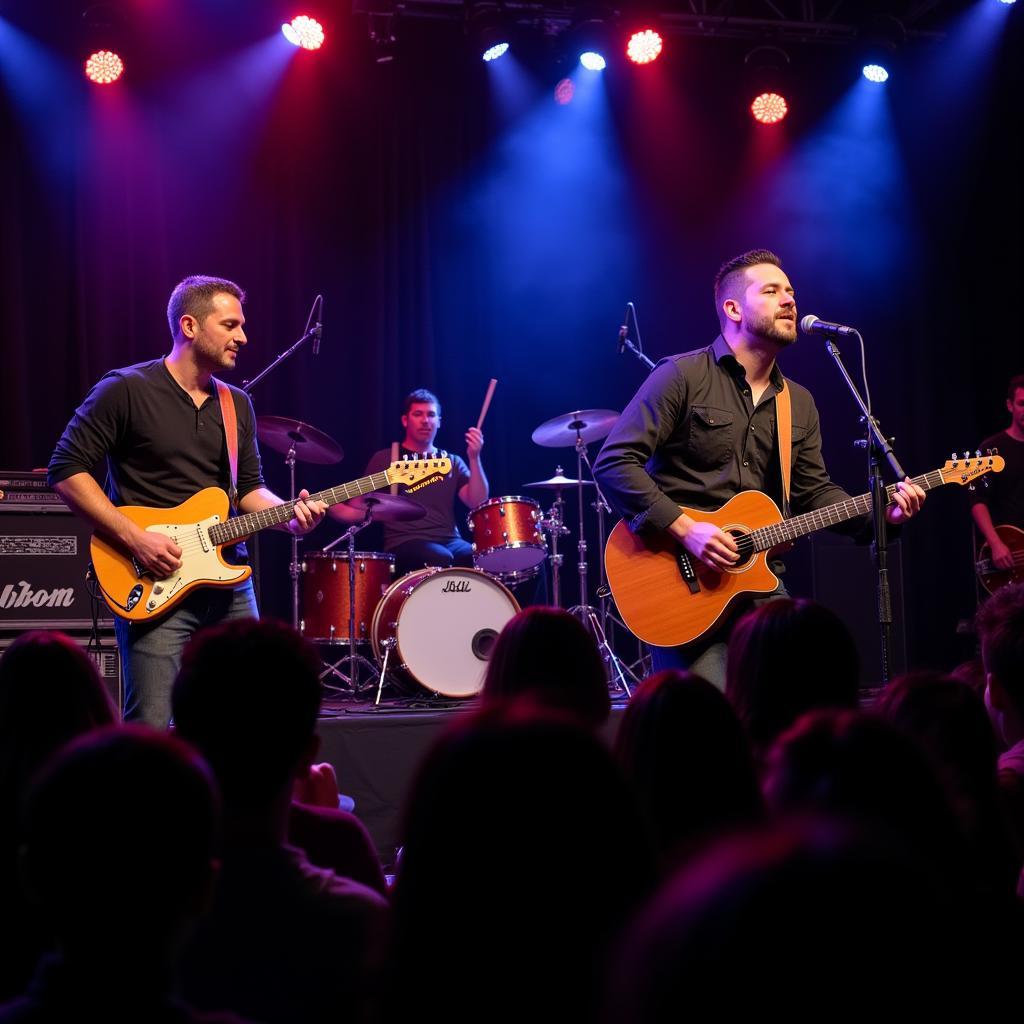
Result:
{"points": [[702, 429], [160, 427]]}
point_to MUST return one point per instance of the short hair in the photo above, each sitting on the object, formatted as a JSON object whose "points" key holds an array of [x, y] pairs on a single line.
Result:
{"points": [[1000, 624], [1016, 384], [248, 696], [194, 296], [420, 395], [731, 272]]}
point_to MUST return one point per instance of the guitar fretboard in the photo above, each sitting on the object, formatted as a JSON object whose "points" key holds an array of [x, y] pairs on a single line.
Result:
{"points": [[768, 537], [253, 522]]}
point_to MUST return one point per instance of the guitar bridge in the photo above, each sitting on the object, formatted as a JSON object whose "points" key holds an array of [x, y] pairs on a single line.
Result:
{"points": [[687, 571]]}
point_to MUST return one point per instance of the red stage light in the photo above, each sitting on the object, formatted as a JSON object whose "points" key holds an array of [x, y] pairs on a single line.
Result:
{"points": [[564, 91], [644, 47], [769, 108], [104, 67], [305, 32]]}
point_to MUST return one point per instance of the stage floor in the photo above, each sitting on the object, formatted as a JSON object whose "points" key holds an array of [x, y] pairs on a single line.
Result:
{"points": [[376, 752]]}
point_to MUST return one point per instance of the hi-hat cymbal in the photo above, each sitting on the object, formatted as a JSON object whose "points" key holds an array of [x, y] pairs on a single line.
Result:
{"points": [[311, 445], [385, 508], [556, 483], [560, 432]]}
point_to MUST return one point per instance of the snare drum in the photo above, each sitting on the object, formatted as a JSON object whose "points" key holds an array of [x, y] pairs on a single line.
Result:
{"points": [[507, 536], [442, 625], [325, 608]]}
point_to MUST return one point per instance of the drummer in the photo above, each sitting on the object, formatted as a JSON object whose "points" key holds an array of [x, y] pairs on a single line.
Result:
{"points": [[434, 539]]}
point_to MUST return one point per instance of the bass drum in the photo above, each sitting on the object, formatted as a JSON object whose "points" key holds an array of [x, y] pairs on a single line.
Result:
{"points": [[440, 626]]}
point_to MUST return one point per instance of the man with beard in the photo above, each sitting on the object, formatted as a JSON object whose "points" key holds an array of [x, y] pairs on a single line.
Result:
{"points": [[702, 428]]}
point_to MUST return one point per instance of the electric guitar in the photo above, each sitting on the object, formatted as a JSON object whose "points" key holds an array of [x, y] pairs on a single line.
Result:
{"points": [[668, 597], [201, 527], [990, 575]]}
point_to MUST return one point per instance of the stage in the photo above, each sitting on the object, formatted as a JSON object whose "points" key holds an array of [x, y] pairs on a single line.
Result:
{"points": [[376, 752]]}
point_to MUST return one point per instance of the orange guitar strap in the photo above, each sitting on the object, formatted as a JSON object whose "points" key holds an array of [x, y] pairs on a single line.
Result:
{"points": [[227, 412], [784, 428]]}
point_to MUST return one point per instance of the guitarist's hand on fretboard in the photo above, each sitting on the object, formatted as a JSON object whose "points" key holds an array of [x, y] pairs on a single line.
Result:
{"points": [[907, 500], [705, 541]]}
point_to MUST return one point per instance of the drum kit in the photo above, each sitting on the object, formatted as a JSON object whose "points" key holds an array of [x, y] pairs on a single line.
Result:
{"points": [[403, 630]]}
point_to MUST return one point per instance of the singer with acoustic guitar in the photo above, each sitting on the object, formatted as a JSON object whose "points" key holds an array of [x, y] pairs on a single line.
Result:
{"points": [[161, 428], [701, 430]]}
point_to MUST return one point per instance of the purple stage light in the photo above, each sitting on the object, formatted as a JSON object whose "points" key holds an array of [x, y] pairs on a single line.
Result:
{"points": [[564, 91]]}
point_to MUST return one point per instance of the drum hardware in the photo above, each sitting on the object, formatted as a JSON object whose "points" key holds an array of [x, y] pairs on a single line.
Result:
{"points": [[578, 429], [297, 440], [554, 524], [355, 662]]}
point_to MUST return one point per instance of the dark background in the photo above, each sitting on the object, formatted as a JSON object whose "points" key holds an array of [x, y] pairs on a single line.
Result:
{"points": [[462, 226]]}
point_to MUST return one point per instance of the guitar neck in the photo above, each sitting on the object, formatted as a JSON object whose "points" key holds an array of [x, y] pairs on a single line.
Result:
{"points": [[768, 537], [275, 515]]}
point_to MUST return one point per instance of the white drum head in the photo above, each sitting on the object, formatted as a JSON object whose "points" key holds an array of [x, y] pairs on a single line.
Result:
{"points": [[447, 628]]}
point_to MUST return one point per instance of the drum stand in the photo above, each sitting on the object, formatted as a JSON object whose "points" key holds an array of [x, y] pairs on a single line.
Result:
{"points": [[587, 614], [555, 525], [293, 566], [356, 662]]}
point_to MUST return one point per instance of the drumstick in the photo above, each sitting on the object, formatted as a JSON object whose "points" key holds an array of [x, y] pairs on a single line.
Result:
{"points": [[487, 402]]}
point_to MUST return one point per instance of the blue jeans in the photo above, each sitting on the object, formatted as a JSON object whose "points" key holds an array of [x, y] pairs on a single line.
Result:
{"points": [[151, 651], [707, 657]]}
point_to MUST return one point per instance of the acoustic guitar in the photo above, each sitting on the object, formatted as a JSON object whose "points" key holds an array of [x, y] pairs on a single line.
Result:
{"points": [[201, 526], [666, 597]]}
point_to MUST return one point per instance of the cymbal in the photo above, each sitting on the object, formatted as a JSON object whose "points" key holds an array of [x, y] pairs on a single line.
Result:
{"points": [[311, 445], [560, 432], [556, 483], [386, 508]]}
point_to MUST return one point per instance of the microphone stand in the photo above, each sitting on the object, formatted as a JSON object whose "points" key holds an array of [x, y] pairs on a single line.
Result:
{"points": [[313, 333], [626, 342], [877, 445]]}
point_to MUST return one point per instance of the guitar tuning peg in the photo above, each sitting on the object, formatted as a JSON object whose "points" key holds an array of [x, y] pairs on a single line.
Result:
{"points": [[967, 455], [995, 451], [971, 487], [977, 453], [952, 456], [984, 483]]}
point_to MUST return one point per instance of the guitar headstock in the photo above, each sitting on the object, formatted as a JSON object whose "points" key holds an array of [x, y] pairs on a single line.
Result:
{"points": [[416, 470], [966, 469]]}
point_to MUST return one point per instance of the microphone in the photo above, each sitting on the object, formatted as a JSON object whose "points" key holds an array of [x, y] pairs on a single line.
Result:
{"points": [[623, 332], [318, 329], [810, 324]]}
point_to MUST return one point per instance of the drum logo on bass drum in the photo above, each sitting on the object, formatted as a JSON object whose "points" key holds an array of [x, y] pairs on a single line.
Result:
{"points": [[456, 587]]}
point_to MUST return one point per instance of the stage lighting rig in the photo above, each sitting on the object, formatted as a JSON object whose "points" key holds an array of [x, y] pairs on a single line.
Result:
{"points": [[645, 46], [766, 70], [103, 43], [488, 29], [591, 36], [882, 36], [304, 31]]}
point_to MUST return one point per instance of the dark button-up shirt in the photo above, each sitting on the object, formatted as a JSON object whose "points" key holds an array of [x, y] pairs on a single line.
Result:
{"points": [[160, 448], [692, 436]]}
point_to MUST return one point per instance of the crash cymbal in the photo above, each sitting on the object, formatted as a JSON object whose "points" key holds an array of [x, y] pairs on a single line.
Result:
{"points": [[311, 445], [556, 483], [386, 508], [560, 432]]}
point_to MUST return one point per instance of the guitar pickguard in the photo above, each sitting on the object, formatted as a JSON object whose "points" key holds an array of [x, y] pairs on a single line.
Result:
{"points": [[200, 562]]}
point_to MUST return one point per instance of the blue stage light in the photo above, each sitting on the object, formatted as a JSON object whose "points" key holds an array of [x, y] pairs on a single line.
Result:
{"points": [[875, 73], [593, 61], [494, 52]]}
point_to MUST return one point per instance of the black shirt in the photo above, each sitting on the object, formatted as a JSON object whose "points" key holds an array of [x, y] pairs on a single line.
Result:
{"points": [[437, 497], [1004, 495], [159, 447], [692, 436]]}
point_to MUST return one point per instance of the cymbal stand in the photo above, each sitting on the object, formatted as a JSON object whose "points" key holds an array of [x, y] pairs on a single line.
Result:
{"points": [[554, 523], [355, 661], [293, 566], [584, 611]]}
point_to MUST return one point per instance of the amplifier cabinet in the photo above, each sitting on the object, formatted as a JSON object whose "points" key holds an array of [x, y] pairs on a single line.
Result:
{"points": [[44, 556], [104, 653]]}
